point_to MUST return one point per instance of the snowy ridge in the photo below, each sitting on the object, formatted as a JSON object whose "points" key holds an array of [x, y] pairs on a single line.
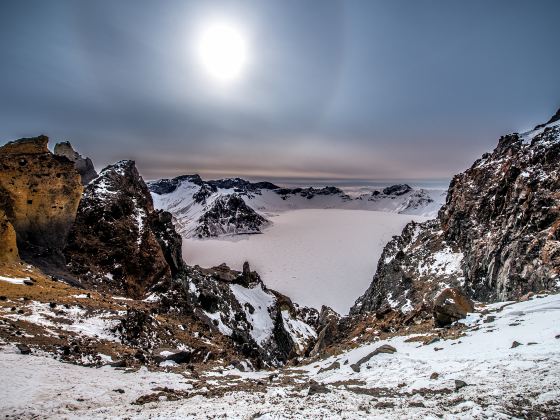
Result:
{"points": [[190, 200]]}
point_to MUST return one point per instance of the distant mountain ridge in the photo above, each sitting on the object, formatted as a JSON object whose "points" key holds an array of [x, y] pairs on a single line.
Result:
{"points": [[200, 209]]}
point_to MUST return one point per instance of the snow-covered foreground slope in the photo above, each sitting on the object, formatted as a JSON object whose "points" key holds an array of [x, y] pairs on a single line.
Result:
{"points": [[498, 380], [316, 257]]}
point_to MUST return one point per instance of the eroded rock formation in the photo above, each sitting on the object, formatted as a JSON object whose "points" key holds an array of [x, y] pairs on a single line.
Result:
{"points": [[8, 245], [39, 194]]}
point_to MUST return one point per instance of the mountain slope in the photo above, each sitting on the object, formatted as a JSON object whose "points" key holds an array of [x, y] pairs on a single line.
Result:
{"points": [[497, 236], [475, 375]]}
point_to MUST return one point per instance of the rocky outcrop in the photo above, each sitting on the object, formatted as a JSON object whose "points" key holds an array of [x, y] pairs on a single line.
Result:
{"points": [[327, 326], [311, 192], [265, 326], [84, 166], [451, 305], [496, 238], [167, 186], [397, 189], [119, 242], [229, 215], [241, 186], [504, 213], [8, 245], [39, 195]]}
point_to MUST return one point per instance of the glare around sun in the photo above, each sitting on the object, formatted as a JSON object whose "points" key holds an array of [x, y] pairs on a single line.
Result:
{"points": [[222, 51]]}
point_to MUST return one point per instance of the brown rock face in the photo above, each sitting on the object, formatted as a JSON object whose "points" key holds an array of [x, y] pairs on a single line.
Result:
{"points": [[39, 194], [8, 246], [497, 237], [119, 243], [504, 212], [451, 305]]}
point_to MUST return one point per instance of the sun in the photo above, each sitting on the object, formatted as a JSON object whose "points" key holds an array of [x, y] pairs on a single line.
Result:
{"points": [[222, 50]]}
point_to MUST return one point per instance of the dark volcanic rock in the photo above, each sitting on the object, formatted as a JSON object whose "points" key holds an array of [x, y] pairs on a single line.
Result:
{"points": [[497, 237], [229, 214], [118, 241], [23, 348], [242, 185], [317, 388], [264, 325], [327, 326], [311, 192], [398, 189], [504, 213], [385, 348], [166, 186]]}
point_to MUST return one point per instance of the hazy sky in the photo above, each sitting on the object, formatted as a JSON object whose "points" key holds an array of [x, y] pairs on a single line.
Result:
{"points": [[334, 89]]}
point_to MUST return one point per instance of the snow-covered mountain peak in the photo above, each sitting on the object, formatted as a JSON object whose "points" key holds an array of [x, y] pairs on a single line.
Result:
{"points": [[201, 209]]}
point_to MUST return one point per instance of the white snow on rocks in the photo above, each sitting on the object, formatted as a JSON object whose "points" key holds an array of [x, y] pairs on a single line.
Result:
{"points": [[444, 262], [14, 280], [260, 318], [299, 331], [77, 320], [217, 316]]}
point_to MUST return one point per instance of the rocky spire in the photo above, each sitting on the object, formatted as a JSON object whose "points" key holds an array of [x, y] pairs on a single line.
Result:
{"points": [[84, 166]]}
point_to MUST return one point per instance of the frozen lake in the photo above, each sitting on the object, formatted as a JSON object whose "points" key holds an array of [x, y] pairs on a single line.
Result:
{"points": [[316, 257]]}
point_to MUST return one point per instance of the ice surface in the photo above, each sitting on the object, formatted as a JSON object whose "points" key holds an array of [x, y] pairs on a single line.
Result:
{"points": [[313, 256]]}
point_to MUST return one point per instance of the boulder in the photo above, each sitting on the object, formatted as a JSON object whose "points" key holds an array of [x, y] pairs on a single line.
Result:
{"points": [[317, 388], [450, 306], [177, 356], [385, 348], [459, 384]]}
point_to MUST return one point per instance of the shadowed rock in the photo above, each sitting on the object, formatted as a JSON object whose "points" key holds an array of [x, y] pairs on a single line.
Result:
{"points": [[451, 305], [84, 166]]}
